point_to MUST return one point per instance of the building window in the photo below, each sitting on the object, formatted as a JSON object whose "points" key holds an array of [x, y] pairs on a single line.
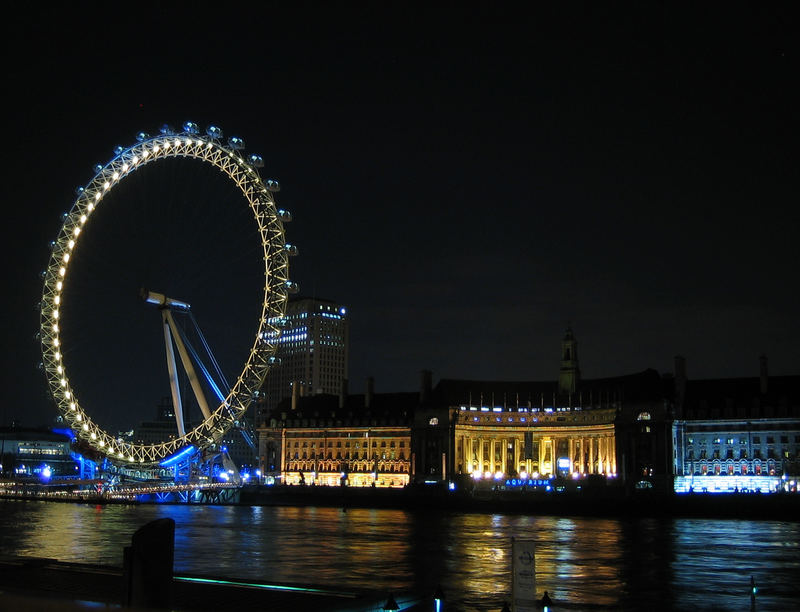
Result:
{"points": [[433, 421]]}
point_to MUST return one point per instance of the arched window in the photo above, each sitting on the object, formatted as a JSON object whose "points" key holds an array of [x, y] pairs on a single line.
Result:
{"points": [[643, 416]]}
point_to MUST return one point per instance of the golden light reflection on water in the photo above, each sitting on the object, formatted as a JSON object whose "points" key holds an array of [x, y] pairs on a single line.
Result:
{"points": [[582, 562]]}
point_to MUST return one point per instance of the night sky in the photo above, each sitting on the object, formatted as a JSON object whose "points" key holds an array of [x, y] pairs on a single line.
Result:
{"points": [[466, 181]]}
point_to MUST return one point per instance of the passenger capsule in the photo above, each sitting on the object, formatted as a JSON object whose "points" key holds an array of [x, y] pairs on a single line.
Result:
{"points": [[118, 149], [256, 161], [273, 185], [191, 128], [98, 167], [79, 191], [167, 130], [292, 287], [284, 215], [214, 132], [274, 361], [236, 143], [290, 249], [142, 136]]}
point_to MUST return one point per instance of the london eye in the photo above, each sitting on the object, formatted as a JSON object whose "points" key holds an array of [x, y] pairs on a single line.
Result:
{"points": [[255, 197]]}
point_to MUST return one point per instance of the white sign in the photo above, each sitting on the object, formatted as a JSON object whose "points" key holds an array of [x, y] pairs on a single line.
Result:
{"points": [[523, 566]]}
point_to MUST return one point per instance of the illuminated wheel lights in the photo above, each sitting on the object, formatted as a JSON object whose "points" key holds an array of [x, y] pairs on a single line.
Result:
{"points": [[269, 220]]}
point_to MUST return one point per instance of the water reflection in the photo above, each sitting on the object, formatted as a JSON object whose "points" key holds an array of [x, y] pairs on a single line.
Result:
{"points": [[585, 563]]}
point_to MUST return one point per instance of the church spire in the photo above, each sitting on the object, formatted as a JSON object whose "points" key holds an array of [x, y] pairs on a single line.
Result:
{"points": [[570, 373]]}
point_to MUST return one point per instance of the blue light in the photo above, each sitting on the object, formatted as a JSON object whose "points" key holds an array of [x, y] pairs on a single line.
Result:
{"points": [[65, 432], [179, 456]]}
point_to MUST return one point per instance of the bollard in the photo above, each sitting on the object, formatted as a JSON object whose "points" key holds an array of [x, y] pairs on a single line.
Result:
{"points": [[147, 565]]}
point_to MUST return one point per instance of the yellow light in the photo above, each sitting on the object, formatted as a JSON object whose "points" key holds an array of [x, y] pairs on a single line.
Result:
{"points": [[115, 176], [66, 258], [77, 231], [94, 436], [72, 406], [57, 356], [78, 418], [55, 341], [125, 167], [55, 314], [102, 443], [59, 284], [83, 219], [63, 382], [59, 369], [71, 244], [106, 185], [90, 207], [135, 159], [86, 427], [97, 196], [55, 327], [62, 271]]}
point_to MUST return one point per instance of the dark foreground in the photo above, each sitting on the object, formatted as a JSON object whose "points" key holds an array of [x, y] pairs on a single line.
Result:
{"points": [[45, 584]]}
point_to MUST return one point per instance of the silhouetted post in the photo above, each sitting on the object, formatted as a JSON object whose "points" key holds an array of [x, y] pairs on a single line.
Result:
{"points": [[753, 591], [391, 604], [148, 565], [438, 599]]}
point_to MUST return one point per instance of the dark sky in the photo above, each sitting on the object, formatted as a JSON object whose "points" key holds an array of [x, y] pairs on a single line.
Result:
{"points": [[466, 180]]}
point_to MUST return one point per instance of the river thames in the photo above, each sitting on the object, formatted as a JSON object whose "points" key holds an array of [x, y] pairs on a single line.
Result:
{"points": [[584, 563]]}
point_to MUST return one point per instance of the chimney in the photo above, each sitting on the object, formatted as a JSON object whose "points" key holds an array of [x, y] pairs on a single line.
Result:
{"points": [[369, 392], [343, 393], [295, 395], [680, 382], [426, 377], [764, 373]]}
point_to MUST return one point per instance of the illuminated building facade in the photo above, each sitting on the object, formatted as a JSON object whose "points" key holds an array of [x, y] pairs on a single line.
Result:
{"points": [[736, 434], [567, 428], [43, 455], [642, 432], [312, 350], [327, 440], [614, 427]]}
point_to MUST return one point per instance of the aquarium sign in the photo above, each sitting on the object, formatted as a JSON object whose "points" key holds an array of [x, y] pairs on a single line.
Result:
{"points": [[527, 482]]}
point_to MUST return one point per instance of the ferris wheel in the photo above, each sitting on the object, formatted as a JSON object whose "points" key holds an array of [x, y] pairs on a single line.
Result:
{"points": [[228, 158]]}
